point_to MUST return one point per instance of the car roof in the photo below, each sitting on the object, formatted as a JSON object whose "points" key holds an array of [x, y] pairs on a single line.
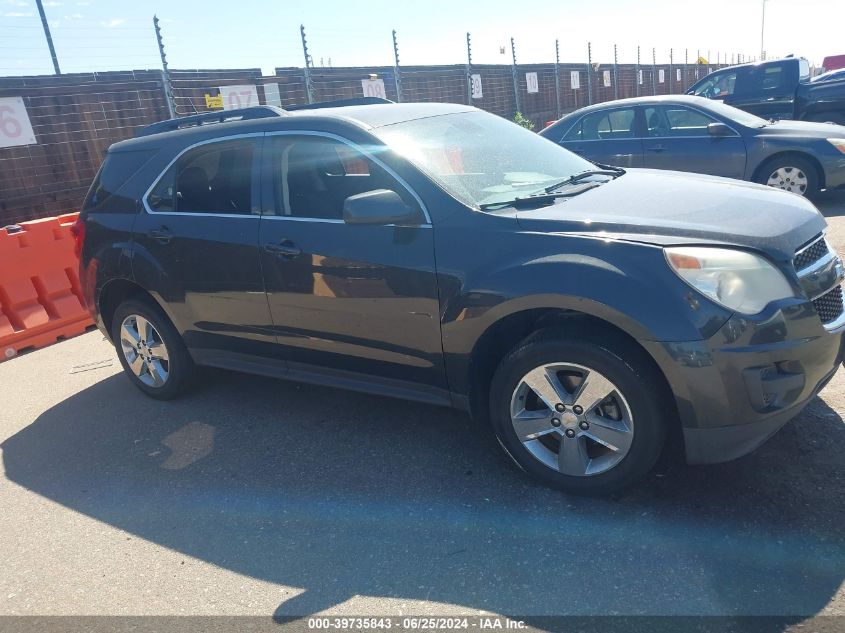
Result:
{"points": [[365, 117], [634, 101]]}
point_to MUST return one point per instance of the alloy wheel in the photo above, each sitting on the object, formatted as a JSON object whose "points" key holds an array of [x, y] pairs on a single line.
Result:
{"points": [[144, 351], [572, 419]]}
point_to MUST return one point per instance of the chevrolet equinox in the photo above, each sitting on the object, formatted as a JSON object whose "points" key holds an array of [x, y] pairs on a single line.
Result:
{"points": [[442, 254]]}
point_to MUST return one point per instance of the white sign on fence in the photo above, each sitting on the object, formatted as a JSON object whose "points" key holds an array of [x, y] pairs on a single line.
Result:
{"points": [[661, 76], [679, 74], [235, 97], [477, 92], [15, 128], [271, 95], [606, 76], [531, 82], [640, 77], [373, 88], [575, 79]]}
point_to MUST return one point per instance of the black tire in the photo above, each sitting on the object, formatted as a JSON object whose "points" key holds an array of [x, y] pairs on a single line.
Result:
{"points": [[796, 162], [180, 366], [626, 366]]}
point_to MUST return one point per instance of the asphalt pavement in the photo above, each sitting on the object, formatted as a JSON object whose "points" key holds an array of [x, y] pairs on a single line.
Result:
{"points": [[262, 497]]}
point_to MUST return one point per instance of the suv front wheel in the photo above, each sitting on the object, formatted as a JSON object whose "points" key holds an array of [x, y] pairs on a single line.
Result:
{"points": [[151, 351], [586, 415]]}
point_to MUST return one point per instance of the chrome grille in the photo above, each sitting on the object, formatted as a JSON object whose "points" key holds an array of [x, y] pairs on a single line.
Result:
{"points": [[811, 254], [830, 305], [820, 273]]}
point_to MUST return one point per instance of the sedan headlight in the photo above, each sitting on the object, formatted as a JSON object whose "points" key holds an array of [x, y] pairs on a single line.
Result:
{"points": [[838, 143], [738, 280]]}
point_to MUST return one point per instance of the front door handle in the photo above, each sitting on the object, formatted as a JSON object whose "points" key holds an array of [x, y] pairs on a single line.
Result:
{"points": [[161, 234], [656, 148], [285, 249], [578, 150]]}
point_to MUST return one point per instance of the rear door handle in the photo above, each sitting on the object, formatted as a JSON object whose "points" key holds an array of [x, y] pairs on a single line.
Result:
{"points": [[161, 234], [656, 148], [285, 249]]}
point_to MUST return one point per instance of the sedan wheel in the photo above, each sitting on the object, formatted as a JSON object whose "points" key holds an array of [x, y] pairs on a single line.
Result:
{"points": [[789, 179], [144, 351], [572, 419]]}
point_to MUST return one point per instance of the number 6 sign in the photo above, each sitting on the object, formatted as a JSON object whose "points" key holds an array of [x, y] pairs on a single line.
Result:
{"points": [[15, 128]]}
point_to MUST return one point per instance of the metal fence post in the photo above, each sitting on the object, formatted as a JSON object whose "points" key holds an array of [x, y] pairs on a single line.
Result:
{"points": [[513, 73], [469, 70], [309, 85], [397, 76], [589, 74], [697, 60], [615, 74], [557, 77], [653, 72], [47, 35], [165, 74], [686, 71], [637, 72], [671, 76]]}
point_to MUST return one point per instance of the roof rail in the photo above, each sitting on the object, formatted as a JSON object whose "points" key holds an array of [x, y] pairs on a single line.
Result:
{"points": [[340, 103], [207, 118]]}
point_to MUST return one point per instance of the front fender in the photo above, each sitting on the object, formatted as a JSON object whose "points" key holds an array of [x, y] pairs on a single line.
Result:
{"points": [[626, 284]]}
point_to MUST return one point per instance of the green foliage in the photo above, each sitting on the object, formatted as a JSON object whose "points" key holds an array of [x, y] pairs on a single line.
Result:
{"points": [[528, 124]]}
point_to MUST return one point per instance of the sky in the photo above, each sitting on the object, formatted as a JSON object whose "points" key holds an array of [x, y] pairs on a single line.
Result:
{"points": [[116, 35]]}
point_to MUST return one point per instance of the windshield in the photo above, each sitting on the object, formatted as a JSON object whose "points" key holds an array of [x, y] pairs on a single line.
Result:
{"points": [[480, 158], [735, 114]]}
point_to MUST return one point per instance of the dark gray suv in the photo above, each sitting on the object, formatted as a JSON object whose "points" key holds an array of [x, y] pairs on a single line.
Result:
{"points": [[442, 254]]}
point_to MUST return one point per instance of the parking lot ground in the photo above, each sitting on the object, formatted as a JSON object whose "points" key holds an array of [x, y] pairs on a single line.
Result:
{"points": [[255, 496]]}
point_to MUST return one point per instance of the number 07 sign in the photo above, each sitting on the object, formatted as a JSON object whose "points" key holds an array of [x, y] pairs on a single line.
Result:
{"points": [[15, 128]]}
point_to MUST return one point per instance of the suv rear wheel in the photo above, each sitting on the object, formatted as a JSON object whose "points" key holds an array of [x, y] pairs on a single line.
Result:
{"points": [[583, 415], [151, 351]]}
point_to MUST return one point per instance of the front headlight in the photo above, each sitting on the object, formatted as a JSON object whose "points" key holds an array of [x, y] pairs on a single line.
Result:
{"points": [[738, 280], [838, 143]]}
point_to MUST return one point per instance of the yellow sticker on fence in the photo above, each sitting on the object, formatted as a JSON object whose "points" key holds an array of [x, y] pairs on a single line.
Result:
{"points": [[213, 102]]}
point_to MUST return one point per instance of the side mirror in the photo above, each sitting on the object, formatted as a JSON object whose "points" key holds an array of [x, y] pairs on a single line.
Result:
{"points": [[719, 129], [380, 206]]}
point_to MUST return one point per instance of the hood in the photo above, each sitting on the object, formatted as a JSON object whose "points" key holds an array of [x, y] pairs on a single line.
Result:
{"points": [[666, 207], [805, 129]]}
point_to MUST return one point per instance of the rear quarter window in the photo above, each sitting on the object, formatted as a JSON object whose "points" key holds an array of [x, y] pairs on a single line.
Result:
{"points": [[115, 172]]}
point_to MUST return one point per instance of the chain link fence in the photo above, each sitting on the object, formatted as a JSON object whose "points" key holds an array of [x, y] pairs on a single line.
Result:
{"points": [[75, 117]]}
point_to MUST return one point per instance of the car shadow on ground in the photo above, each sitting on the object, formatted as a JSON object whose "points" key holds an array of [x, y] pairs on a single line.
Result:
{"points": [[831, 203], [343, 494]]}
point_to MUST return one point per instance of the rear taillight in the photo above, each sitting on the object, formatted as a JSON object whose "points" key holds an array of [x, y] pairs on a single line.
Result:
{"points": [[78, 232]]}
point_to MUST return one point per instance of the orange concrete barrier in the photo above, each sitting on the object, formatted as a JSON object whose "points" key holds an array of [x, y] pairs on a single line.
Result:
{"points": [[40, 297]]}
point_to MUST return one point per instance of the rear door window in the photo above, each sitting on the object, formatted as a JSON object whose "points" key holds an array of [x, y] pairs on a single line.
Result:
{"points": [[773, 79]]}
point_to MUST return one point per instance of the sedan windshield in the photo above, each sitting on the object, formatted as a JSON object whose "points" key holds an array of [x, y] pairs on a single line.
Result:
{"points": [[735, 114], [480, 158]]}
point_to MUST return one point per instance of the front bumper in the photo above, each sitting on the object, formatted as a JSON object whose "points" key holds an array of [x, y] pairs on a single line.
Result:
{"points": [[738, 388]]}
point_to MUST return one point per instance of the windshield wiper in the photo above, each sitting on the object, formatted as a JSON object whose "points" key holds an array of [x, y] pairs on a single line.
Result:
{"points": [[540, 198], [605, 170]]}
